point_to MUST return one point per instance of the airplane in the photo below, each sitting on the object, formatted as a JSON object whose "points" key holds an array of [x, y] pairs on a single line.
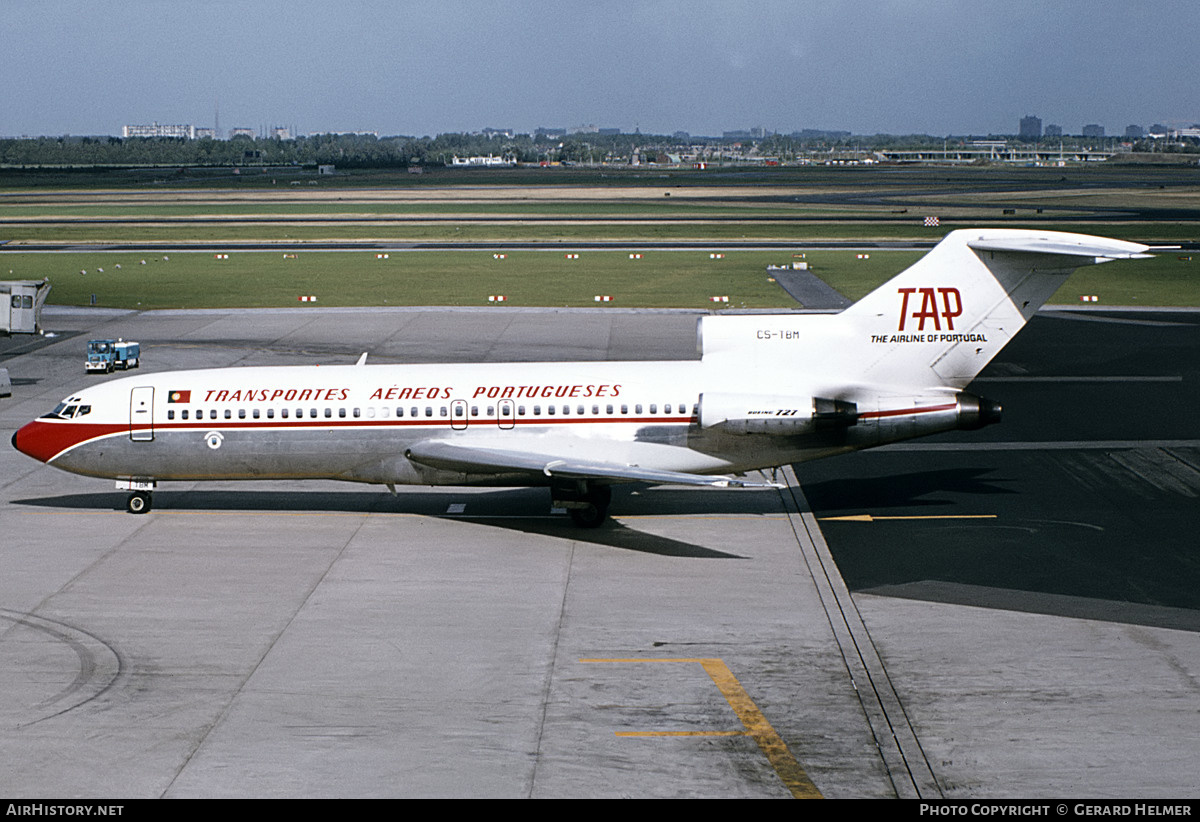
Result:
{"points": [[768, 390]]}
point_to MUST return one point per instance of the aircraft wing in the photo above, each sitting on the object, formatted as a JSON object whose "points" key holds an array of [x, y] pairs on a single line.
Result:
{"points": [[474, 460]]}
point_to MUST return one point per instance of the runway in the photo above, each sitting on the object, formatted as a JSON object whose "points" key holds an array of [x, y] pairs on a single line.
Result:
{"points": [[1003, 613]]}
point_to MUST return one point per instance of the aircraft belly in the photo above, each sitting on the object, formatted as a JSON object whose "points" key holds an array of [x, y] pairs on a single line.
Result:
{"points": [[233, 454]]}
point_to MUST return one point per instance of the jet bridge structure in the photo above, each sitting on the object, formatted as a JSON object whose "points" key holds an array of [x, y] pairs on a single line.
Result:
{"points": [[21, 304]]}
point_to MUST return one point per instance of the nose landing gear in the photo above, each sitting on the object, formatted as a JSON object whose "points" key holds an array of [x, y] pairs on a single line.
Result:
{"points": [[138, 502]]}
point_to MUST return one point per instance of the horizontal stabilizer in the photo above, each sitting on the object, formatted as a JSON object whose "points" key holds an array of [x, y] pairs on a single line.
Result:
{"points": [[474, 460], [1101, 248]]}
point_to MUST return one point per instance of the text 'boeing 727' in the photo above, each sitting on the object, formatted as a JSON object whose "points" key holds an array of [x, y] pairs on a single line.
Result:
{"points": [[768, 390]]}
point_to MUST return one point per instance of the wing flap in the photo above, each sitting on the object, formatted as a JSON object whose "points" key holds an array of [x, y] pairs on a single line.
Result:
{"points": [[476, 460]]}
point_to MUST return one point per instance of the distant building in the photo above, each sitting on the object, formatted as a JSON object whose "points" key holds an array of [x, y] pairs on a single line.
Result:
{"points": [[1053, 130], [158, 130], [549, 133], [481, 162], [1093, 130], [206, 133], [281, 133], [1031, 128], [1135, 132], [242, 132]]}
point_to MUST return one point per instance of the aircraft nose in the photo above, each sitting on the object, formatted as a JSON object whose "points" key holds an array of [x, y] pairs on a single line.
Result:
{"points": [[32, 439]]}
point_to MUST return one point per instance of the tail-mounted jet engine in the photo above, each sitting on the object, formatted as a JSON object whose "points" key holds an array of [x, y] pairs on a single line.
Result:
{"points": [[781, 416]]}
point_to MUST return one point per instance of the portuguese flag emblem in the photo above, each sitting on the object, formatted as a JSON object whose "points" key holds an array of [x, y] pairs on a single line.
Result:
{"points": [[179, 396]]}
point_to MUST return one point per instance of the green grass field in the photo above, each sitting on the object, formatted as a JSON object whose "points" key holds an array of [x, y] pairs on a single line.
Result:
{"points": [[660, 279], [791, 207]]}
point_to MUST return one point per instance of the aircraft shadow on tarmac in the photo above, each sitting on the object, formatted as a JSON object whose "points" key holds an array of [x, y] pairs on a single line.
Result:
{"points": [[900, 490], [521, 509]]}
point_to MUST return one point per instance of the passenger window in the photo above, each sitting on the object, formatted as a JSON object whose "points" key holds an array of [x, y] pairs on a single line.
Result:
{"points": [[521, 410], [442, 411], [342, 412], [608, 409], [170, 413], [328, 413], [566, 410], [212, 413], [270, 413], [257, 413], [228, 414], [357, 412], [550, 410], [537, 410], [637, 409], [429, 410], [184, 415], [241, 413], [624, 409], [399, 411], [284, 413], [653, 408]]}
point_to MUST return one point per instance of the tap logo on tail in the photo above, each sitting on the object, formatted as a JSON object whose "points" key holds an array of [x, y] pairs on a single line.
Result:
{"points": [[950, 306]]}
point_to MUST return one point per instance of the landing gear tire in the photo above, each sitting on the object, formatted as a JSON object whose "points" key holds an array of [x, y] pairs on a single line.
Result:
{"points": [[594, 511], [138, 502]]}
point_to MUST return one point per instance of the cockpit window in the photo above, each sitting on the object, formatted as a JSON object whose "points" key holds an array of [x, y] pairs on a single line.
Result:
{"points": [[68, 410]]}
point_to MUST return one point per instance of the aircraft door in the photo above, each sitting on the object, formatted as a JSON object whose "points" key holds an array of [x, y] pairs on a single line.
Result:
{"points": [[141, 414], [458, 415], [506, 415]]}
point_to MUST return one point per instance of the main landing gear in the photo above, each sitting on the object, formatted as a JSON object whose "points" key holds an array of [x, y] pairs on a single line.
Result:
{"points": [[585, 501]]}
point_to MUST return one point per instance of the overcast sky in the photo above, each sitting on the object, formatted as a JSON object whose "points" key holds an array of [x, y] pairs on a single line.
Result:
{"points": [[869, 66]]}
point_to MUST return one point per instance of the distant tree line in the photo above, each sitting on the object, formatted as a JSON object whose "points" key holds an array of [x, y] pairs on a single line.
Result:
{"points": [[369, 151], [342, 150]]}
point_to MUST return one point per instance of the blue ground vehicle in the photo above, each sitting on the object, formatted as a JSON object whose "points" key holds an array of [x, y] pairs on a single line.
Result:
{"points": [[106, 356]]}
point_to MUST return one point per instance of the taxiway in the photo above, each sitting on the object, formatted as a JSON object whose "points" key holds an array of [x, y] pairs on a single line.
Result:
{"points": [[1008, 613]]}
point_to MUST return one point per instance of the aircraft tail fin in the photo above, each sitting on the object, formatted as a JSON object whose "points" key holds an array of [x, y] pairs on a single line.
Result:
{"points": [[944, 318], [933, 326]]}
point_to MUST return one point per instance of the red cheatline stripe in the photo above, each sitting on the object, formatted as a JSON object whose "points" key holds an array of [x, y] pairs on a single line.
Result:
{"points": [[900, 412]]}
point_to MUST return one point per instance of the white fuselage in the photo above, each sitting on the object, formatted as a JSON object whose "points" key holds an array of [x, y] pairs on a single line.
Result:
{"points": [[356, 422]]}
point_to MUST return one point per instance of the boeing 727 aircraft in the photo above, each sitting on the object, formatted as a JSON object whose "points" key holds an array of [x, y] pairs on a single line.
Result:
{"points": [[768, 390]]}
